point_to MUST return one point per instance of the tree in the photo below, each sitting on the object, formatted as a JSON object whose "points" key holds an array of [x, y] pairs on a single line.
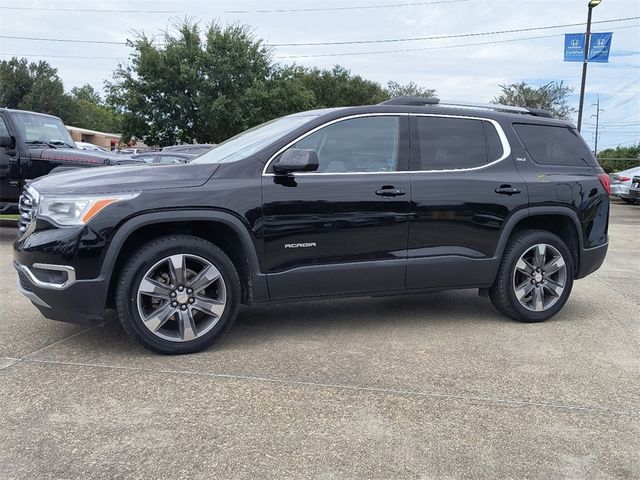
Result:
{"points": [[87, 110], [551, 97], [32, 86], [189, 89], [411, 89], [339, 88]]}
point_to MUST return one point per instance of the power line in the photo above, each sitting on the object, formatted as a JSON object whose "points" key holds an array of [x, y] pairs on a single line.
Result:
{"points": [[634, 140], [337, 54], [30, 55], [440, 37], [405, 50], [351, 42], [614, 124], [276, 10]]}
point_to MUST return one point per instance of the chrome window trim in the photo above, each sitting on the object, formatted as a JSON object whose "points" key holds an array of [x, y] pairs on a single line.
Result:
{"points": [[71, 275], [506, 147]]}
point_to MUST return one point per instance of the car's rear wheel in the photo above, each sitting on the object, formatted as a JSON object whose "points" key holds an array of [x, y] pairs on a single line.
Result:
{"points": [[535, 277], [177, 294]]}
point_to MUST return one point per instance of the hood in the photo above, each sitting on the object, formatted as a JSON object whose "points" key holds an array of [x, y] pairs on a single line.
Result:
{"points": [[74, 155], [126, 178]]}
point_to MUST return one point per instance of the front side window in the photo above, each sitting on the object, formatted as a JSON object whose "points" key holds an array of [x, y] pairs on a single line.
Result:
{"points": [[367, 144], [554, 145], [453, 143]]}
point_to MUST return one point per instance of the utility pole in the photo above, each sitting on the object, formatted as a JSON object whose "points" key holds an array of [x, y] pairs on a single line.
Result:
{"points": [[587, 37], [597, 115]]}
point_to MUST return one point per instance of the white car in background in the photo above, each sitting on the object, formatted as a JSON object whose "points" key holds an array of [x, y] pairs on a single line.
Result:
{"points": [[621, 182], [90, 146]]}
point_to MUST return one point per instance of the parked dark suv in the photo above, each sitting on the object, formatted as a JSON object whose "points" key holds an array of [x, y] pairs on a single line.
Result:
{"points": [[406, 196]]}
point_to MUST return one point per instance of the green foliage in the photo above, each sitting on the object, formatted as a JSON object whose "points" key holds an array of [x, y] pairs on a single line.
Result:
{"points": [[632, 151], [37, 87], [206, 85], [190, 89], [32, 86], [551, 97], [87, 110], [411, 89], [619, 158], [339, 88]]}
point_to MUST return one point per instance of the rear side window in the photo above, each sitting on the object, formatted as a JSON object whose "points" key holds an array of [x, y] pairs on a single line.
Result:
{"points": [[494, 145], [551, 145], [454, 143]]}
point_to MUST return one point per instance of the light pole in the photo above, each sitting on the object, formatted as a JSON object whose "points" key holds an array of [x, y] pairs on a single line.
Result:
{"points": [[592, 4]]}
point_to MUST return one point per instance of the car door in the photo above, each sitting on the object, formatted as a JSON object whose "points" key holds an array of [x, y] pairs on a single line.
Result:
{"points": [[343, 228], [464, 186], [9, 168]]}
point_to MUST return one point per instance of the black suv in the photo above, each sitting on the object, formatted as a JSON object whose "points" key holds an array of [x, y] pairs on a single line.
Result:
{"points": [[406, 196]]}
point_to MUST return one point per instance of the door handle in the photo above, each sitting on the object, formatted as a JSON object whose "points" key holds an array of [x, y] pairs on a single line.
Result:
{"points": [[389, 191], [507, 190]]}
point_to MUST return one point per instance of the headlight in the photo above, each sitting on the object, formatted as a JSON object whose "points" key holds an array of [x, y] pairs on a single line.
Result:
{"points": [[76, 209]]}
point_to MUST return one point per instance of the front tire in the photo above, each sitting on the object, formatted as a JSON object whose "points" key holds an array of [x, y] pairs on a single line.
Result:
{"points": [[535, 277], [177, 294]]}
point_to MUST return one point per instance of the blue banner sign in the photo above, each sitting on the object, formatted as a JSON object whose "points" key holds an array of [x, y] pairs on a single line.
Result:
{"points": [[599, 47]]}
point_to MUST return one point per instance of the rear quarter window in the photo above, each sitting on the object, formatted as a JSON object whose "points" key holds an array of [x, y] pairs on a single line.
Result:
{"points": [[554, 145]]}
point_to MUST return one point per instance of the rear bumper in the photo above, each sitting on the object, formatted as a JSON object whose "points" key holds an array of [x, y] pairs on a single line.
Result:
{"points": [[591, 259], [82, 302]]}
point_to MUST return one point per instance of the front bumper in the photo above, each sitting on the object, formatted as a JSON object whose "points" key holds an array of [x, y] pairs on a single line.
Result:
{"points": [[82, 302]]}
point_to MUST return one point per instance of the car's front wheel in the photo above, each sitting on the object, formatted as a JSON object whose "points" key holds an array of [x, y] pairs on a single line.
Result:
{"points": [[177, 294], [535, 277]]}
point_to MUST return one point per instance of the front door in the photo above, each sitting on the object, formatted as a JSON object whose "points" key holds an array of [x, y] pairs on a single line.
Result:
{"points": [[342, 229]]}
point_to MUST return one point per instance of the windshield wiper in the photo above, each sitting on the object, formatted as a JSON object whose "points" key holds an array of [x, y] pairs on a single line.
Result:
{"points": [[52, 144], [59, 142]]}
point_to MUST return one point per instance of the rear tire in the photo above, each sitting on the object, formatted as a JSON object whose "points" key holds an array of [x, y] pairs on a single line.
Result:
{"points": [[177, 294], [535, 277]]}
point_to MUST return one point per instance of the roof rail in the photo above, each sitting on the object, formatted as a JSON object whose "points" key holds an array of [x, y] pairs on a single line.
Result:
{"points": [[413, 101], [424, 101]]}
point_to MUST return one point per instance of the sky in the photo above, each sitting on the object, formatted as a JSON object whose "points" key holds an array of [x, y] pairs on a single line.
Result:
{"points": [[454, 67]]}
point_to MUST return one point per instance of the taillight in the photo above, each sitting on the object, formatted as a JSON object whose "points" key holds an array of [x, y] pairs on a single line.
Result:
{"points": [[605, 181], [618, 178]]}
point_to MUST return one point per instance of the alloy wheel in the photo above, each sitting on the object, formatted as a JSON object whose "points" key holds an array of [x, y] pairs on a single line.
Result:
{"points": [[539, 277], [181, 297]]}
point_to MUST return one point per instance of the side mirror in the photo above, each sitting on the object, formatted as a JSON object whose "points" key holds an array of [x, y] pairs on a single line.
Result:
{"points": [[297, 160], [6, 141]]}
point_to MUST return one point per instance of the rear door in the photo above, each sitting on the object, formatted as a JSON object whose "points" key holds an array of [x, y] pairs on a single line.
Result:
{"points": [[464, 186], [342, 229]]}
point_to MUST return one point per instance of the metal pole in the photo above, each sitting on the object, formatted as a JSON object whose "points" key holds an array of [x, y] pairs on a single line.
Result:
{"points": [[584, 67], [595, 148]]}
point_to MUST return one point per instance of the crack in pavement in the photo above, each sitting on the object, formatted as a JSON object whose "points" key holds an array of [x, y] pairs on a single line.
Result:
{"points": [[357, 388]]}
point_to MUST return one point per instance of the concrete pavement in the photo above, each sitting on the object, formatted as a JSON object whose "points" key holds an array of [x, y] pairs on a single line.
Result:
{"points": [[427, 386]]}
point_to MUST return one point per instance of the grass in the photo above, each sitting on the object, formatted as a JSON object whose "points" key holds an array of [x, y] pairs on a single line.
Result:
{"points": [[5, 216]]}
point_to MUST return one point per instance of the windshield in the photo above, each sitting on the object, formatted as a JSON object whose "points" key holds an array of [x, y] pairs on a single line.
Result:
{"points": [[250, 141], [40, 128]]}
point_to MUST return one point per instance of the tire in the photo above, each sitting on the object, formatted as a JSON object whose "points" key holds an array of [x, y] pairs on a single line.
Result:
{"points": [[511, 276], [177, 321]]}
